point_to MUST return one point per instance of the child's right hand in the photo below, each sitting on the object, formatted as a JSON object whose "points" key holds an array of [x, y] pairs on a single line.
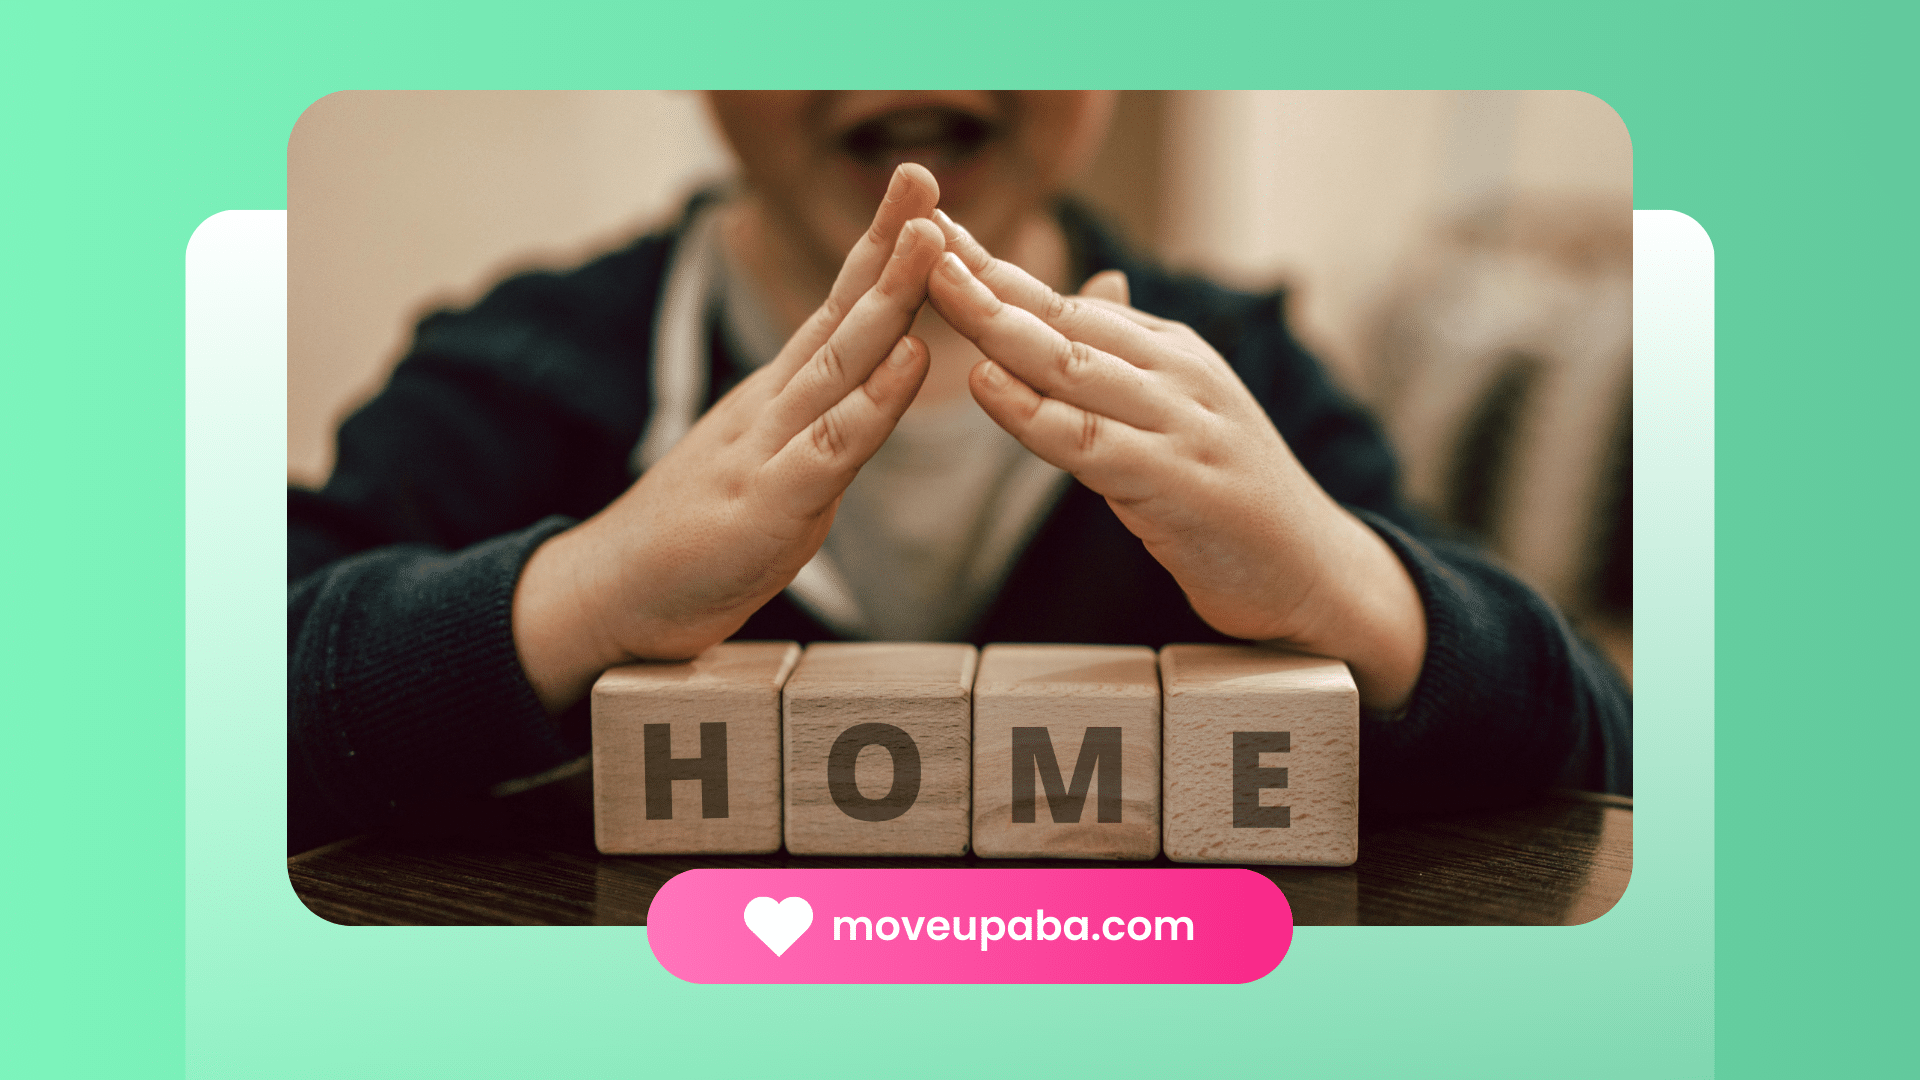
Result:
{"points": [[727, 518]]}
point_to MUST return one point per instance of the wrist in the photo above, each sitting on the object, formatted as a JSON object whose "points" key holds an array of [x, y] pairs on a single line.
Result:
{"points": [[1370, 616], [560, 628], [637, 598]]}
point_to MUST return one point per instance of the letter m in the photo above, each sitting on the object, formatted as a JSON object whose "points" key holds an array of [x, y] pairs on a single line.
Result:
{"points": [[853, 929], [1033, 753]]}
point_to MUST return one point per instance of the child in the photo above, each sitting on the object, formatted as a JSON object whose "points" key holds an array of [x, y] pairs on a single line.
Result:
{"points": [[884, 424]]}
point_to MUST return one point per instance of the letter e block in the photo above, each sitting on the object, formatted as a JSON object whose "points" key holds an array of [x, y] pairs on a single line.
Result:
{"points": [[878, 752], [1262, 756], [686, 756], [1066, 752]]}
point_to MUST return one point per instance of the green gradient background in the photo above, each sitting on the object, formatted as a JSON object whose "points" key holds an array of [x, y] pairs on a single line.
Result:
{"points": [[1784, 131]]}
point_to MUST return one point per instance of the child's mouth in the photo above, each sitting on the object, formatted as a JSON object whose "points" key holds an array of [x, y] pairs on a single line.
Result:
{"points": [[948, 140], [935, 136]]}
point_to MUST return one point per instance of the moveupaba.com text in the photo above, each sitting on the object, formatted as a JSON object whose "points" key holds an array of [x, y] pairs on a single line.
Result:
{"points": [[988, 929]]}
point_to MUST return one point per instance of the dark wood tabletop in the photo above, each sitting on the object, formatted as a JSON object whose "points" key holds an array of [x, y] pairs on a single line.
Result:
{"points": [[529, 859]]}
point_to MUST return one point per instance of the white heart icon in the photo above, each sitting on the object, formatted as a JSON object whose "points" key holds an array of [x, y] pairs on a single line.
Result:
{"points": [[779, 925]]}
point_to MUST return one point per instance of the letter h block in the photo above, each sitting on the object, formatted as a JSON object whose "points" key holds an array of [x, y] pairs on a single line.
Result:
{"points": [[878, 756], [1262, 759], [1066, 752], [686, 756]]}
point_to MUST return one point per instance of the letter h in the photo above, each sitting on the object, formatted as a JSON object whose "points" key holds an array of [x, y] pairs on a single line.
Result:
{"points": [[710, 768]]}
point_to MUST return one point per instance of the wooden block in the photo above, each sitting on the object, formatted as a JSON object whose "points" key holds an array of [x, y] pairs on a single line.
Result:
{"points": [[686, 756], [1262, 758], [1066, 752], [878, 754]]}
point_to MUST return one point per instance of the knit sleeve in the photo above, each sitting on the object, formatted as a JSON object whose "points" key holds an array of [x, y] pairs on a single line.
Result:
{"points": [[504, 424], [404, 684], [1510, 700]]}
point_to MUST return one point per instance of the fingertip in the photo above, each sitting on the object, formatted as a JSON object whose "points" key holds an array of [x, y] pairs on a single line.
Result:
{"points": [[960, 298], [997, 391], [961, 242], [920, 230], [1108, 285], [907, 352], [894, 384], [919, 177], [953, 268]]}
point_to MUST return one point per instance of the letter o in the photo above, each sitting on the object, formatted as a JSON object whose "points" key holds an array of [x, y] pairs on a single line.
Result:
{"points": [[906, 772], [880, 928], [1146, 928]]}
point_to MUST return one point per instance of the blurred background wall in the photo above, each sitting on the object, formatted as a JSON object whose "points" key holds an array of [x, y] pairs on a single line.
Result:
{"points": [[400, 202], [1460, 260]]}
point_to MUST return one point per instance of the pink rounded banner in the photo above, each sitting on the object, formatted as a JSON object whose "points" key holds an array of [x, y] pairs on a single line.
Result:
{"points": [[970, 926]]}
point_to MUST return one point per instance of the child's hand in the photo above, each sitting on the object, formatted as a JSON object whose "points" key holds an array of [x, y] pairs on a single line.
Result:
{"points": [[727, 518], [1145, 412]]}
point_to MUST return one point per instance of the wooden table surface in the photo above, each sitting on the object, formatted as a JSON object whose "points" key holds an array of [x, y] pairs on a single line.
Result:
{"points": [[530, 859]]}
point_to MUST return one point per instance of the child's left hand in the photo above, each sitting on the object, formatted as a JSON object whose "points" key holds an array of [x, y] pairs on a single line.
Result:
{"points": [[1143, 411]]}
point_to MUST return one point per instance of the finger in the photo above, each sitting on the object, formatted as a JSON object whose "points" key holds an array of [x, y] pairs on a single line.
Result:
{"points": [[1132, 314], [1044, 358], [1110, 290], [911, 193], [1094, 323], [1115, 459], [1108, 285], [870, 329], [816, 465]]}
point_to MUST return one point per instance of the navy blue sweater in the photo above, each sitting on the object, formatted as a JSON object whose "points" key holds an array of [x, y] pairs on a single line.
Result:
{"points": [[510, 421]]}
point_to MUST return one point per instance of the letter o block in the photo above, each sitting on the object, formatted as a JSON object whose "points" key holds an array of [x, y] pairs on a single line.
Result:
{"points": [[1066, 752], [1262, 760], [686, 756], [878, 749]]}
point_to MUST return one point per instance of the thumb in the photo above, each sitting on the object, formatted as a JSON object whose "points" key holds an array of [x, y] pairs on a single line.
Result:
{"points": [[1107, 285]]}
